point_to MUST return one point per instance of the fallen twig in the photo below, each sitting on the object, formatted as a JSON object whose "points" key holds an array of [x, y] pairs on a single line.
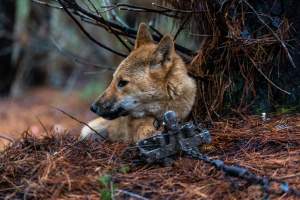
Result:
{"points": [[79, 121]]}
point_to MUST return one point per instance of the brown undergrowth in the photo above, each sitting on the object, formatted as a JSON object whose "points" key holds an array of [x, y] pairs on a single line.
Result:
{"points": [[244, 61], [60, 167]]}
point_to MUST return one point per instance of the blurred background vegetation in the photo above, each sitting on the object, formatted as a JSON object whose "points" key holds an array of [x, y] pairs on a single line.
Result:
{"points": [[42, 46]]}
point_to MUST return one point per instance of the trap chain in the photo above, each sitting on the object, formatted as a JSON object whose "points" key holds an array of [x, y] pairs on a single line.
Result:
{"points": [[185, 139]]}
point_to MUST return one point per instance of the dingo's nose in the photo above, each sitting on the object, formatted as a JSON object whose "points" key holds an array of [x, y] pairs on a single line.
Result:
{"points": [[101, 108], [94, 107]]}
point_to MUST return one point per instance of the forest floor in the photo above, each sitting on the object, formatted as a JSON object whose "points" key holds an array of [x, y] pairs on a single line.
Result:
{"points": [[46, 161], [36, 110]]}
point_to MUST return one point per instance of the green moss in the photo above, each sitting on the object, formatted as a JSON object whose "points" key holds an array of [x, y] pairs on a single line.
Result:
{"points": [[108, 188], [92, 90]]}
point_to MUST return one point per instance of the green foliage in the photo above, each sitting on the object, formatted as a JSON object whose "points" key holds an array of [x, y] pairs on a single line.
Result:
{"points": [[105, 194], [108, 187], [105, 180], [286, 110], [91, 90], [124, 169]]}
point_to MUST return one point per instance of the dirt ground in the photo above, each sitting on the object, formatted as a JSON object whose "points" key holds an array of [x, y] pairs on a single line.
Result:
{"points": [[37, 109]]}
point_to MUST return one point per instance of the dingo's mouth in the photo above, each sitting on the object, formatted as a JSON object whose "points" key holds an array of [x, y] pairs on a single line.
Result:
{"points": [[110, 115]]}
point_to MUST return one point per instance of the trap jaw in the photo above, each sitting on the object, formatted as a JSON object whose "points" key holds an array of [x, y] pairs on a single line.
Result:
{"points": [[174, 139]]}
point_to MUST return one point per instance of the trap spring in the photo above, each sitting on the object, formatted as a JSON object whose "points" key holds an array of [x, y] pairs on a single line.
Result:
{"points": [[173, 139], [185, 139]]}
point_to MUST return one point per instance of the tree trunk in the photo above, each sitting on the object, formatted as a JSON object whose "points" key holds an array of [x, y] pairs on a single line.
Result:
{"points": [[7, 20]]}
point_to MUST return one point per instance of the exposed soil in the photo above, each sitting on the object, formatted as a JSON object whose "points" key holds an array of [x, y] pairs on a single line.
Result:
{"points": [[38, 110]]}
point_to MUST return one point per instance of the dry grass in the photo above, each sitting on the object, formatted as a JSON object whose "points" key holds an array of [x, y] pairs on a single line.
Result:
{"points": [[59, 167]]}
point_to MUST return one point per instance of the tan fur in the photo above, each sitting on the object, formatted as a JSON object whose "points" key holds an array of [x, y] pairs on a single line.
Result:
{"points": [[157, 82]]}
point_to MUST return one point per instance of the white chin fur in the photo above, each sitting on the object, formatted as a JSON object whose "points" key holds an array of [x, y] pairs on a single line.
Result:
{"points": [[85, 132], [88, 133], [128, 103]]}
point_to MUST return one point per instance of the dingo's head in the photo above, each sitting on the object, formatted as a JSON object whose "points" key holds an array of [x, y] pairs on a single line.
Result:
{"points": [[140, 83]]}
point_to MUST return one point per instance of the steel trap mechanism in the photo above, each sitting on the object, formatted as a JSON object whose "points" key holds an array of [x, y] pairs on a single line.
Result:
{"points": [[186, 138], [173, 139]]}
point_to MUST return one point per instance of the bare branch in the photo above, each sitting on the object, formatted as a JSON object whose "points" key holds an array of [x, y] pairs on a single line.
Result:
{"points": [[274, 34], [78, 59], [182, 26], [131, 33], [47, 4], [113, 15], [87, 33], [99, 21]]}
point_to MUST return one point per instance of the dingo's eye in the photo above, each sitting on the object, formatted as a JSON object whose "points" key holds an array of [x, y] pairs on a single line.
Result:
{"points": [[122, 83]]}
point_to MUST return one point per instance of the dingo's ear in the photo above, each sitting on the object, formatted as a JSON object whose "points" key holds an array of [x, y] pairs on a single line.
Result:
{"points": [[164, 49], [143, 36]]}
